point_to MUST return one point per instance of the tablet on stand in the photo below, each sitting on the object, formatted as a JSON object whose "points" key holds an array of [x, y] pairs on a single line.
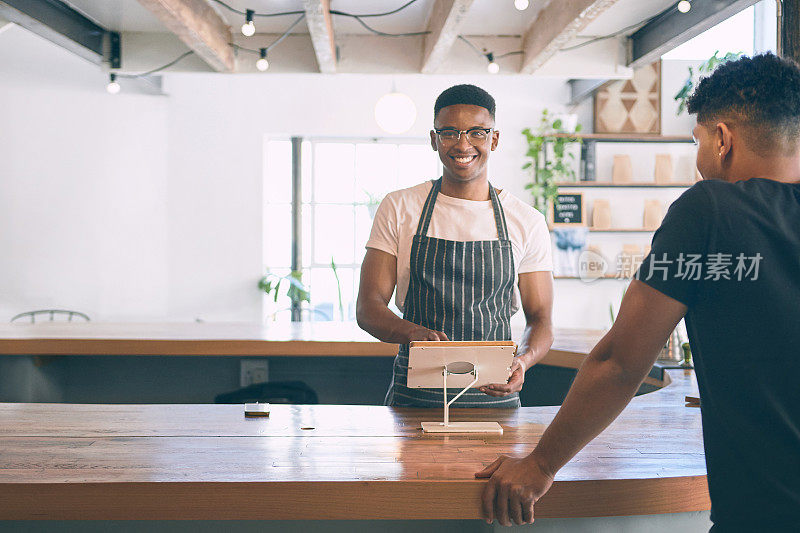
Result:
{"points": [[462, 365]]}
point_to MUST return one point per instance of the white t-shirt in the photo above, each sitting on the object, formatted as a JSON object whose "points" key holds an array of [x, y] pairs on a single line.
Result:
{"points": [[456, 219]]}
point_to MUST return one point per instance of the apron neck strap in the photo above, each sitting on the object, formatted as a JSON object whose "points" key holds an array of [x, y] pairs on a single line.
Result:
{"points": [[427, 211]]}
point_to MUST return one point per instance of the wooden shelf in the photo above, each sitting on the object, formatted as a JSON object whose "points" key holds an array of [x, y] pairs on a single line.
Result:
{"points": [[644, 184], [607, 276], [628, 137], [618, 230]]}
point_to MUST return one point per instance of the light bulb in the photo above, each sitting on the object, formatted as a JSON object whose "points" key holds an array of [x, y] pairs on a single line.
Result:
{"points": [[522, 5], [395, 112], [113, 87], [492, 67], [248, 28], [684, 6], [262, 64]]}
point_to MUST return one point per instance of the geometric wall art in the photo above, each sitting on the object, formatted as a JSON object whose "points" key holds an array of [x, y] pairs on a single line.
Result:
{"points": [[630, 106]]}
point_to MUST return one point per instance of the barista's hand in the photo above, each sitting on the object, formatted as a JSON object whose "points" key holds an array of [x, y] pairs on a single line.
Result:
{"points": [[419, 333], [514, 382]]}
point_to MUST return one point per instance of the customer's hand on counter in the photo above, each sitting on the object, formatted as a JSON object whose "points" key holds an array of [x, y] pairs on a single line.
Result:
{"points": [[514, 487], [515, 382]]}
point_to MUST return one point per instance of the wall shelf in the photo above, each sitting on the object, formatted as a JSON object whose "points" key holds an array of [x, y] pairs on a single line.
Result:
{"points": [[577, 184], [589, 280], [617, 230], [627, 137]]}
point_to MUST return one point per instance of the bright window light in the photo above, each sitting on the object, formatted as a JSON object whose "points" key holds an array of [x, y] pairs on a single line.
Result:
{"points": [[732, 35]]}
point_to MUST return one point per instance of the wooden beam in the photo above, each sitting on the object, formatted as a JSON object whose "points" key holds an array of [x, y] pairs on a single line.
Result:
{"points": [[445, 20], [557, 24], [200, 27], [320, 28]]}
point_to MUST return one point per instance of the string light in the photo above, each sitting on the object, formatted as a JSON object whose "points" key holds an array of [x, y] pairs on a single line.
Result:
{"points": [[248, 28], [112, 87], [262, 64], [492, 67], [521, 5], [684, 6]]}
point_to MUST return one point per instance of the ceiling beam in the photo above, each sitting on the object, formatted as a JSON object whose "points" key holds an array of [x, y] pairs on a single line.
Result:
{"points": [[671, 28], [320, 28], [200, 27], [446, 18], [557, 24], [59, 23], [581, 89]]}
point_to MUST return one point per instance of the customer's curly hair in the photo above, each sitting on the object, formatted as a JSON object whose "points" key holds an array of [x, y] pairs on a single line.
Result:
{"points": [[759, 93]]}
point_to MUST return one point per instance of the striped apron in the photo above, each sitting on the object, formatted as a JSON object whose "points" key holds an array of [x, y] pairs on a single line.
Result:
{"points": [[462, 288]]}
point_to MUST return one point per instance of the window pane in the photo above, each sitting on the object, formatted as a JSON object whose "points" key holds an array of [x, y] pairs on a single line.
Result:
{"points": [[308, 234], [376, 171], [417, 163], [278, 172], [333, 172], [363, 227], [333, 234], [325, 294], [277, 236], [307, 170]]}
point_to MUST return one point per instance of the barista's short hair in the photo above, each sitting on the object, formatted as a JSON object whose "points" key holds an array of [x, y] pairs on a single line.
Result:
{"points": [[464, 94]]}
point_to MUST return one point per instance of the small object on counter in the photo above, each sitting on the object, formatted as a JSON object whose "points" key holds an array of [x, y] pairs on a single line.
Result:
{"points": [[256, 409], [622, 171], [687, 355]]}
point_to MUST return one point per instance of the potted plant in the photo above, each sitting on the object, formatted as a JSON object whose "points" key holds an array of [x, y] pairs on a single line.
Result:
{"points": [[548, 165], [707, 67], [296, 291]]}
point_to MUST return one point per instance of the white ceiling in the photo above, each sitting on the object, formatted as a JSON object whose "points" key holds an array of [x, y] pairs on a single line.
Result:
{"points": [[485, 17]]}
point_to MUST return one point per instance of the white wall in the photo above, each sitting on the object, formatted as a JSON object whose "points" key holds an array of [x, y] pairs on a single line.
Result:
{"points": [[82, 183], [149, 208]]}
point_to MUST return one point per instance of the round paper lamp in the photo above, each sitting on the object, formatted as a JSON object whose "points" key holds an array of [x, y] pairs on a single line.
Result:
{"points": [[395, 113]]}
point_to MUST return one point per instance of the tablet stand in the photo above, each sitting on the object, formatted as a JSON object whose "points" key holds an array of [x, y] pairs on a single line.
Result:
{"points": [[454, 368]]}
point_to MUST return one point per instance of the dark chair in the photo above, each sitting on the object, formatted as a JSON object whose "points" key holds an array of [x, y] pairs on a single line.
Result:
{"points": [[294, 392], [52, 313]]}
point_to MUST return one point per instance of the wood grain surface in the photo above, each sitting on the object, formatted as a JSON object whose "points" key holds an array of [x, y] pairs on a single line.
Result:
{"points": [[69, 461]]}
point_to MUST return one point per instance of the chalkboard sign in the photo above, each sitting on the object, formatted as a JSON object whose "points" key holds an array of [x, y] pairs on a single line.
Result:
{"points": [[568, 211]]}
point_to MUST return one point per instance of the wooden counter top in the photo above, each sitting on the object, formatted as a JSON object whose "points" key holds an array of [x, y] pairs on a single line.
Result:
{"points": [[215, 338], [69, 461]]}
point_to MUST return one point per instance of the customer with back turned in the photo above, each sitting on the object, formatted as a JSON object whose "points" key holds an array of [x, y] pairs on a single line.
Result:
{"points": [[727, 257]]}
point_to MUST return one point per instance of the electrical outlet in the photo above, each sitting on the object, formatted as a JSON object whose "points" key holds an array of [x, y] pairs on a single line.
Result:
{"points": [[253, 371]]}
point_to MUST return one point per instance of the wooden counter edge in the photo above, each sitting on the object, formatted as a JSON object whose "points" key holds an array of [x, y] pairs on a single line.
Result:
{"points": [[337, 500], [195, 347]]}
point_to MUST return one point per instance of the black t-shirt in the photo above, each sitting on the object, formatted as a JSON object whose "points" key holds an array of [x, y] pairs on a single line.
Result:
{"points": [[731, 253]]}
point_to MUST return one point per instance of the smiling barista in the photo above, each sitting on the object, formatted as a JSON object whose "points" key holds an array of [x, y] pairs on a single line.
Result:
{"points": [[462, 255]]}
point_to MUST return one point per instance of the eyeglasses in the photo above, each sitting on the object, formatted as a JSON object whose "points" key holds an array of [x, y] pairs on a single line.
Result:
{"points": [[474, 135]]}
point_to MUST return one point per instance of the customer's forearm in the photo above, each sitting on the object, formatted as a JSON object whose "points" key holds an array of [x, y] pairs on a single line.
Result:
{"points": [[598, 395]]}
